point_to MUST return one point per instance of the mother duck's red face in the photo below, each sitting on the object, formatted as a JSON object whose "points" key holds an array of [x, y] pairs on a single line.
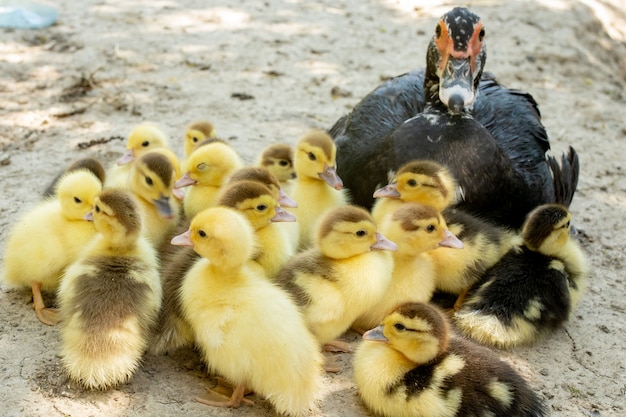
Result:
{"points": [[459, 40]]}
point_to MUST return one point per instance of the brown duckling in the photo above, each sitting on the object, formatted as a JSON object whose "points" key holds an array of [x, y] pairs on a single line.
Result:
{"points": [[412, 365], [532, 290]]}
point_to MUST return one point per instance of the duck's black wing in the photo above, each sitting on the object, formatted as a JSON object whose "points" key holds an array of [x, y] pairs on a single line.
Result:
{"points": [[358, 134]]}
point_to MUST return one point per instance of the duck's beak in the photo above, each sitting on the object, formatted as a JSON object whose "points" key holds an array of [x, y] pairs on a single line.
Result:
{"points": [[178, 193], [286, 201], [163, 206], [89, 216], [382, 243], [283, 216], [388, 191], [185, 181], [451, 241], [456, 85], [375, 334], [129, 156], [182, 240], [330, 176]]}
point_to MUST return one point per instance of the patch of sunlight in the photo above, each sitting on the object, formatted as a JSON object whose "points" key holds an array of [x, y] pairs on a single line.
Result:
{"points": [[611, 14], [202, 20], [558, 5], [319, 67]]}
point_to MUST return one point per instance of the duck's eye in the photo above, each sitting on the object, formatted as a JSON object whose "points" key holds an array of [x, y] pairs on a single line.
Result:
{"points": [[431, 228], [284, 163], [201, 166], [97, 208], [145, 143], [312, 156], [481, 35], [201, 233], [77, 200], [194, 139], [149, 181], [261, 207], [412, 183], [399, 327], [361, 233], [438, 31]]}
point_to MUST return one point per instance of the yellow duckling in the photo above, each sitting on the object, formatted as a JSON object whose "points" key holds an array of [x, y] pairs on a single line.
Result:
{"points": [[143, 138], [430, 183], [532, 290], [317, 186], [416, 229], [49, 238], [109, 298], [343, 276], [420, 181], [196, 133], [207, 170], [249, 330], [256, 203], [278, 158], [412, 366], [152, 182], [90, 164], [265, 177]]}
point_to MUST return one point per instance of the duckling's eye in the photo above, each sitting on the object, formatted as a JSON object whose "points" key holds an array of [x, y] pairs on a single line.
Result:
{"points": [[312, 156], [431, 228], [201, 166], [201, 233], [284, 163], [481, 35], [194, 139], [77, 200], [97, 208], [565, 227], [149, 181], [412, 183], [361, 233], [145, 143], [399, 327], [438, 31], [261, 207]]}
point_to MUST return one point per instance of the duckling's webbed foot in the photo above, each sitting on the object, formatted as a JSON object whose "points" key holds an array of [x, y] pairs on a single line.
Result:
{"points": [[234, 401], [337, 346], [330, 365], [48, 316]]}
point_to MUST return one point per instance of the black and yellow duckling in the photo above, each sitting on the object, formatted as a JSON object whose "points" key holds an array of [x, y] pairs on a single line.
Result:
{"points": [[430, 183], [494, 142], [344, 275], [196, 133], [249, 330], [412, 365], [49, 237], [532, 290], [416, 229], [109, 298]]}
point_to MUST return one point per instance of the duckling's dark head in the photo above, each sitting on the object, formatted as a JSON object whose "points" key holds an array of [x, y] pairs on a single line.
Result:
{"points": [[455, 60]]}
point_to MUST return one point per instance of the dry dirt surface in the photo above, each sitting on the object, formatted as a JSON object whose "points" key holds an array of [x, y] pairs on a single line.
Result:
{"points": [[267, 71]]}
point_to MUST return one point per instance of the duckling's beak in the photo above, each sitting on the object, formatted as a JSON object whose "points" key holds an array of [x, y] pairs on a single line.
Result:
{"points": [[456, 85], [283, 216], [89, 216], [182, 240], [286, 201], [129, 156], [185, 181], [376, 334], [163, 206], [178, 193], [330, 176], [451, 241], [388, 191], [382, 243]]}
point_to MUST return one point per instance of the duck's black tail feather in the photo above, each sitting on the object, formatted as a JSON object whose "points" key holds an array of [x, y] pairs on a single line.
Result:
{"points": [[565, 177]]}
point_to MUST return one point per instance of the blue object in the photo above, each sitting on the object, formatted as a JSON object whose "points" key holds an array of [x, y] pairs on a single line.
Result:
{"points": [[26, 15]]}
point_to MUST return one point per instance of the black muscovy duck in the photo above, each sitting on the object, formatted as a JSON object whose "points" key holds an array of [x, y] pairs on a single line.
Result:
{"points": [[489, 136]]}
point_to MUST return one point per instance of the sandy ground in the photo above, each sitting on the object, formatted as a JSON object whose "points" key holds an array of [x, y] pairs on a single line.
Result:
{"points": [[266, 71]]}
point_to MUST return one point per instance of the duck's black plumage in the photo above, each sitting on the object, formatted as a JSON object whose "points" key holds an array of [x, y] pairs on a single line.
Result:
{"points": [[394, 124]]}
